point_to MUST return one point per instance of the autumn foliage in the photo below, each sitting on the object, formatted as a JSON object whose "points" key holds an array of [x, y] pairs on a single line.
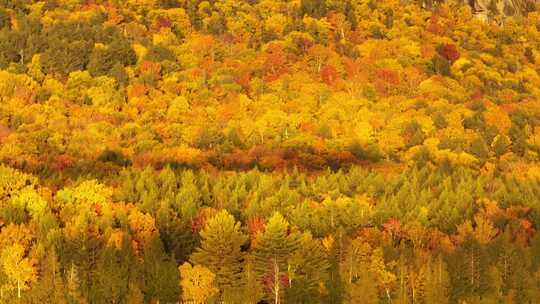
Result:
{"points": [[242, 151]]}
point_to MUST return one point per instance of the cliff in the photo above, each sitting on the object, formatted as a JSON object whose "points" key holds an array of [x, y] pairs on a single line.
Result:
{"points": [[486, 9]]}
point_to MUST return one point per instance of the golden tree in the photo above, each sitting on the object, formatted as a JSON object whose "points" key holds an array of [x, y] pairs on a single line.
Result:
{"points": [[21, 271], [197, 283]]}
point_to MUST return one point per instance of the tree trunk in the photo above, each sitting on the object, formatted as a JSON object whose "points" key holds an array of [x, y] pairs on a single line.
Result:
{"points": [[388, 294], [276, 282], [472, 267], [351, 268]]}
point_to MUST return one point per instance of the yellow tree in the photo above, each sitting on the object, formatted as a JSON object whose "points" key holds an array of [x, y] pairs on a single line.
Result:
{"points": [[20, 270], [197, 283], [383, 276]]}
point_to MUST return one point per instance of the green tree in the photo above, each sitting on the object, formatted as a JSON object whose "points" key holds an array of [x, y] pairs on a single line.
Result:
{"points": [[271, 253], [307, 270], [64, 57], [5, 20], [221, 251], [104, 58], [73, 285], [501, 144], [469, 271], [50, 287], [437, 280], [159, 273], [110, 281], [480, 148]]}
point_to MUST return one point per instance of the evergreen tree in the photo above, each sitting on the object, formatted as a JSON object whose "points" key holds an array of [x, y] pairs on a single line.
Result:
{"points": [[307, 271], [271, 253], [221, 251], [64, 57], [50, 287], [159, 273], [189, 198], [73, 284], [480, 148], [103, 59], [252, 287], [340, 271], [437, 280], [469, 271], [110, 283]]}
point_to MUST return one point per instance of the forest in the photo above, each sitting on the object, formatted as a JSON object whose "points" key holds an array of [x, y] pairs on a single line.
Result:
{"points": [[269, 151]]}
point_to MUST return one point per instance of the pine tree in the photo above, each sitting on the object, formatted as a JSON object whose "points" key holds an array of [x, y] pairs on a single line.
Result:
{"points": [[469, 270], [339, 274], [50, 287], [252, 287], [188, 199], [437, 281], [271, 253], [159, 273], [307, 270], [73, 285], [221, 251], [110, 282]]}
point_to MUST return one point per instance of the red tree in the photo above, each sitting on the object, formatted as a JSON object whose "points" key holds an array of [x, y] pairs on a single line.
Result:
{"points": [[448, 51]]}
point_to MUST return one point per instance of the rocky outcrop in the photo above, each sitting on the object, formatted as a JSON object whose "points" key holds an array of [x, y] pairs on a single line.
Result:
{"points": [[486, 9]]}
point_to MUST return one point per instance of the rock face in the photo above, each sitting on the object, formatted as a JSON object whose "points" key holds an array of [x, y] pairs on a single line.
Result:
{"points": [[486, 9]]}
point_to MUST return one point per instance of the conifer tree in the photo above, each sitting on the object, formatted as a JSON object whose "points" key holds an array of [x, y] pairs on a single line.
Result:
{"points": [[73, 284], [159, 273], [272, 250], [469, 275], [252, 287], [50, 286], [110, 281], [221, 251], [437, 280], [307, 270], [188, 199]]}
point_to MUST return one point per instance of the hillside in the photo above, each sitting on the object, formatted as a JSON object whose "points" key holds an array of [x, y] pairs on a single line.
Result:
{"points": [[269, 151], [273, 85]]}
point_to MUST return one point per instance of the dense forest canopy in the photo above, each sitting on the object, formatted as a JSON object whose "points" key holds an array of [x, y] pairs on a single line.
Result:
{"points": [[267, 84], [269, 151]]}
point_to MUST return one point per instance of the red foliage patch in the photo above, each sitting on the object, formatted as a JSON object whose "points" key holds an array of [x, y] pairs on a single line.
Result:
{"points": [[138, 90], [393, 227], [151, 67], [162, 22], [389, 76], [238, 160], [255, 226], [303, 44], [275, 61], [329, 74], [62, 162], [448, 51]]}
